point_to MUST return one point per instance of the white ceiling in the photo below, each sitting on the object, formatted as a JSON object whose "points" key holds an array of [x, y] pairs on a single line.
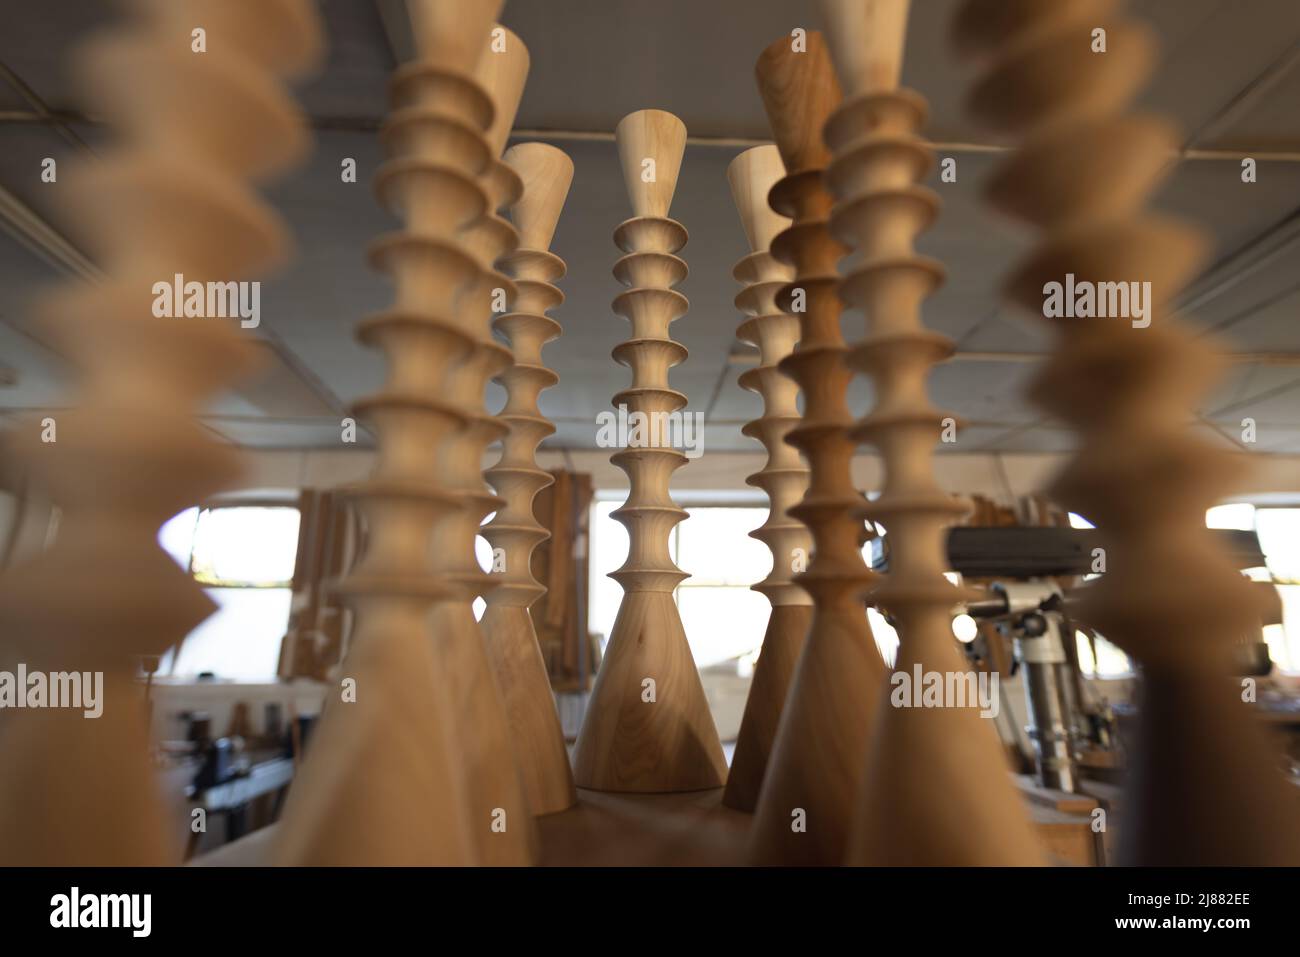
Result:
{"points": [[1229, 77]]}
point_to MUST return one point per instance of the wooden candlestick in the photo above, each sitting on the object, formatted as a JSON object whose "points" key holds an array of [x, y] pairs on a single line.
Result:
{"points": [[784, 477], [422, 797], [1203, 785], [814, 774], [919, 757], [79, 789], [492, 763], [648, 726], [514, 532]]}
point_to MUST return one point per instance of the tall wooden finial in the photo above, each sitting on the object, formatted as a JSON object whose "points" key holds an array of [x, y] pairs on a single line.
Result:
{"points": [[648, 726], [503, 72], [866, 38], [421, 723], [451, 35], [650, 148], [817, 761], [919, 757], [491, 746], [751, 177], [784, 477], [1203, 784], [78, 786], [514, 531]]}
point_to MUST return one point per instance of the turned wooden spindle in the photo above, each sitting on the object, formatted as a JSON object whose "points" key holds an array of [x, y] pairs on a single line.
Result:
{"points": [[815, 769], [784, 477], [501, 72], [1204, 785], [422, 682], [492, 762], [514, 532], [173, 197], [920, 759], [648, 725]]}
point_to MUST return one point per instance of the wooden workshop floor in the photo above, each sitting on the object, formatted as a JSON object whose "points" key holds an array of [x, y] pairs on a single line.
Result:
{"points": [[690, 829]]}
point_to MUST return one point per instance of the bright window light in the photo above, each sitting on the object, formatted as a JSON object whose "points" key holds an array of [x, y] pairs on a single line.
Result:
{"points": [[885, 635], [245, 556], [240, 641], [1238, 515], [724, 618], [245, 546], [1087, 664], [1110, 662], [177, 536], [965, 629], [1278, 530]]}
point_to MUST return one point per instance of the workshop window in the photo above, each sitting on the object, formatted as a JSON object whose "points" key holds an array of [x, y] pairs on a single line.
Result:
{"points": [[723, 616], [243, 556], [1279, 539], [724, 619]]}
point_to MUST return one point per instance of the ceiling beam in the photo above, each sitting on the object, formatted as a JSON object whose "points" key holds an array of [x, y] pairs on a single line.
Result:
{"points": [[364, 124], [977, 355], [33, 232]]}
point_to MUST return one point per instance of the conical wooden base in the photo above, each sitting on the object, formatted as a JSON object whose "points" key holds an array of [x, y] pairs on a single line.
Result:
{"points": [[512, 648], [629, 743], [69, 768], [787, 628], [816, 765], [386, 791], [482, 740], [936, 770]]}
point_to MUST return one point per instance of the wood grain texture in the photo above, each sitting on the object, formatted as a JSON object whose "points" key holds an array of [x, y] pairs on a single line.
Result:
{"points": [[507, 623], [411, 805], [799, 90], [174, 197], [493, 767], [629, 743], [751, 176], [284, 37], [650, 135], [784, 477], [918, 757], [686, 829], [787, 628], [451, 763], [648, 726], [485, 744], [545, 172], [452, 33], [866, 39], [1204, 786], [816, 763], [537, 738]]}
